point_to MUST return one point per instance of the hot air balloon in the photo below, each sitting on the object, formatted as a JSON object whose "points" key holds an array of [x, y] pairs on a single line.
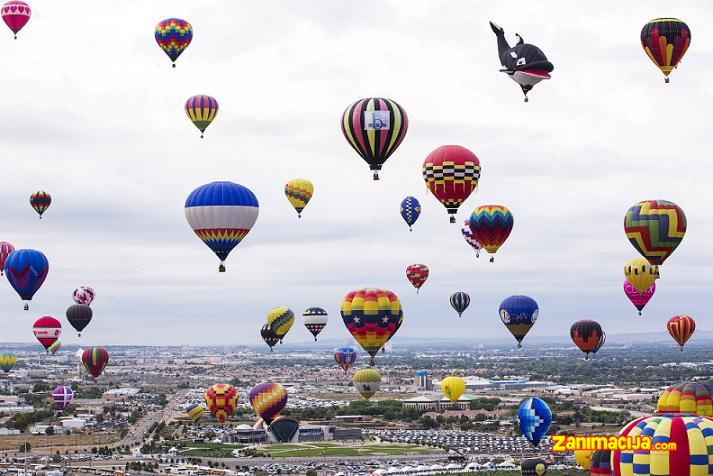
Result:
{"points": [[655, 228], [460, 302], [47, 330], [7, 361], [298, 193], [40, 202], [533, 467], [601, 465], [5, 250], [451, 173], [268, 399], [453, 387], [173, 35], [584, 458], [410, 211], [367, 382], [221, 214], [16, 14], [665, 41], [345, 357], [639, 300], [269, 336], [54, 348], [417, 274], [686, 397], [491, 225], [374, 127], [690, 434], [315, 319], [26, 270], [221, 400], [588, 336], [62, 396], [195, 412], [681, 328], [519, 314], [640, 274], [280, 320], [95, 360], [83, 295], [79, 316], [534, 418], [372, 316], [470, 239], [526, 64], [201, 110]]}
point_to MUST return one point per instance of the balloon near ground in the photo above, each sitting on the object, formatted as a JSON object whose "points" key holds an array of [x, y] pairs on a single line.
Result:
{"points": [[639, 300], [299, 192], [195, 412], [221, 214], [79, 316], [410, 211], [681, 329], [40, 202], [221, 400], [534, 418], [366, 382], [372, 316], [201, 110], [601, 463], [345, 357], [95, 360], [533, 467], [491, 225], [83, 295], [173, 36], [460, 302], [655, 228], [519, 314], [584, 458], [665, 41], [26, 270], [268, 399], [315, 320], [686, 397], [451, 173], [280, 320], [588, 336], [7, 361], [47, 330], [62, 396], [374, 127], [453, 388], [15, 14], [417, 274], [269, 336]]}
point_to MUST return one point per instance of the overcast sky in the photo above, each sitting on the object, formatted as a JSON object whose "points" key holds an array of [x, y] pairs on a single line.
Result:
{"points": [[93, 114]]}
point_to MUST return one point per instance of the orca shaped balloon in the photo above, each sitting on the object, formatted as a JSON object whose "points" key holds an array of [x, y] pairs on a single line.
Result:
{"points": [[526, 64]]}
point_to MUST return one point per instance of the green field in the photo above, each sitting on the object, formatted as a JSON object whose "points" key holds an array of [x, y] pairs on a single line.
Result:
{"points": [[332, 449], [208, 450]]}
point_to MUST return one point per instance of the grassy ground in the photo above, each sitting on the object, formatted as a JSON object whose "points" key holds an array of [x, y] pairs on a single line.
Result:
{"points": [[208, 450], [38, 441], [331, 449]]}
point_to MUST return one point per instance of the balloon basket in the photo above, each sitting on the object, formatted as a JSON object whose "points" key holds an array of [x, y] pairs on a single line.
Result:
{"points": [[299, 215], [315, 339], [27, 307], [492, 259], [453, 219], [519, 345], [526, 99], [665, 80], [372, 362], [221, 268], [173, 65], [376, 175]]}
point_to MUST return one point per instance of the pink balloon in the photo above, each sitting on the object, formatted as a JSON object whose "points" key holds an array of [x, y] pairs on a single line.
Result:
{"points": [[639, 300]]}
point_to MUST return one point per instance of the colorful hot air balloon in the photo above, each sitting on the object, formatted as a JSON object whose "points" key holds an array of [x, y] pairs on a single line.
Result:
{"points": [[367, 382], [47, 330], [640, 274], [410, 211], [470, 239], [315, 319], [298, 193], [54, 348], [534, 418], [533, 467], [417, 274], [280, 320], [665, 41], [268, 399], [690, 434], [453, 387], [601, 464], [269, 336], [173, 36], [451, 173], [5, 250], [655, 228], [221, 400], [195, 412], [372, 316], [681, 328], [26, 270], [519, 314], [221, 214], [491, 225], [201, 110], [639, 300], [460, 302], [584, 458], [95, 360], [374, 127], [345, 357], [62, 396], [686, 397], [16, 14], [7, 361], [83, 295], [40, 202], [79, 316], [588, 336]]}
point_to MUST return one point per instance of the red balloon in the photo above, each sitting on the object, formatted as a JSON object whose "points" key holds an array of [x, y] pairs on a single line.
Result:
{"points": [[95, 360], [451, 173], [417, 274], [47, 330]]}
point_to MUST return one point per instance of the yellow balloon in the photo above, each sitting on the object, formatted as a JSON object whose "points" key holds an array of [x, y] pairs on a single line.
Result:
{"points": [[299, 192], [453, 388], [584, 458], [640, 273], [367, 382], [280, 320], [540, 469]]}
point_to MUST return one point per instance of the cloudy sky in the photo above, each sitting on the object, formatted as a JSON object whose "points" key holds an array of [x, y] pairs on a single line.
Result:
{"points": [[93, 114]]}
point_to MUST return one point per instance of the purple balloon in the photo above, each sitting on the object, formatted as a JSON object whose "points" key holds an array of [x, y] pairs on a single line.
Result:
{"points": [[639, 300]]}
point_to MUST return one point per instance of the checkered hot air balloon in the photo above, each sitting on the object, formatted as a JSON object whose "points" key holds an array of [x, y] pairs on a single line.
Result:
{"points": [[451, 173], [5, 250], [299, 192], [417, 274], [26, 270], [280, 320], [201, 110], [62, 396], [491, 225], [681, 328], [315, 319], [221, 400], [95, 360], [345, 357], [15, 14], [655, 228], [686, 397], [534, 418], [47, 330], [173, 36], [460, 302], [665, 41], [268, 399], [410, 211]]}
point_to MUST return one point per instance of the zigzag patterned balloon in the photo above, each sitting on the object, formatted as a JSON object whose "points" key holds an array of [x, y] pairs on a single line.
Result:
{"points": [[491, 225], [655, 228]]}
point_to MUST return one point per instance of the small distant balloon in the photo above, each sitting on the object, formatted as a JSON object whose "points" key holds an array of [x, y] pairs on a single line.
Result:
{"points": [[5, 250], [460, 302], [62, 396], [299, 192], [47, 330], [40, 202], [410, 211], [315, 320], [367, 382], [201, 110], [83, 295], [681, 328], [639, 300], [417, 274], [16, 14], [173, 36]]}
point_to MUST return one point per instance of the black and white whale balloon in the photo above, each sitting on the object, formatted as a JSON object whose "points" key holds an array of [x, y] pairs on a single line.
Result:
{"points": [[526, 64]]}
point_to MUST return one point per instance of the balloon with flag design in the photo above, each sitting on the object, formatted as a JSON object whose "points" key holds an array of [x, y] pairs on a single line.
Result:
{"points": [[655, 228], [417, 274], [268, 399], [665, 41], [470, 239], [221, 399], [299, 192], [201, 110], [639, 300], [62, 396], [26, 270], [491, 225], [534, 419], [345, 357], [315, 320], [173, 36], [16, 14], [681, 328], [410, 211], [95, 360], [451, 173]]}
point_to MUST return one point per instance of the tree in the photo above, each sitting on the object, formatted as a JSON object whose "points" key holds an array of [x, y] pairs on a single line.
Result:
{"points": [[49, 430]]}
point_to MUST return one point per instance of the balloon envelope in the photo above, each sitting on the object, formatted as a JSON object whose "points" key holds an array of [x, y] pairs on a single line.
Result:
{"points": [[451, 173], [491, 225], [665, 41], [345, 357], [221, 400], [453, 388], [40, 202], [460, 302], [681, 328], [7, 361], [519, 314], [470, 239], [5, 250], [269, 336], [16, 14], [639, 300], [280, 320], [640, 273], [686, 397], [315, 319], [410, 210], [62, 396], [95, 360], [79, 316], [26, 270], [201, 110], [47, 330], [655, 228], [367, 382], [588, 336], [83, 295], [173, 36], [195, 412], [534, 418], [417, 274], [298, 193], [268, 399]]}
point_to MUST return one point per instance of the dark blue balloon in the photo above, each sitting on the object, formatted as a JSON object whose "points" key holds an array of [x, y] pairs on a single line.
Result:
{"points": [[410, 210], [26, 270], [519, 313], [534, 418], [345, 357]]}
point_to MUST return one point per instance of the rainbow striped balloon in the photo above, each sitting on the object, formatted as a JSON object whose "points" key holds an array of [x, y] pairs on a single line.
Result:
{"points": [[491, 225], [201, 110], [686, 397], [268, 399], [655, 228], [173, 35]]}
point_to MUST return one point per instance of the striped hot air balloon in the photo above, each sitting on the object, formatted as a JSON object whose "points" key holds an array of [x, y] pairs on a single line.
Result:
{"points": [[315, 319], [201, 110], [686, 397], [268, 399], [588, 336], [280, 320], [681, 328], [221, 400], [40, 202], [195, 412], [15, 14], [655, 228], [417, 274], [451, 173], [47, 330], [7, 361], [173, 36], [460, 302], [269, 336], [665, 41], [299, 192], [95, 360], [601, 463], [491, 225]]}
